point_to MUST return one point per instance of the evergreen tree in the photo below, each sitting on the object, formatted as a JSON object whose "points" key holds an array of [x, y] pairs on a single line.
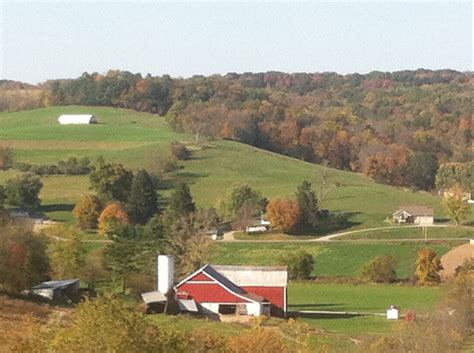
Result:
{"points": [[142, 202], [421, 170], [181, 203], [308, 203]]}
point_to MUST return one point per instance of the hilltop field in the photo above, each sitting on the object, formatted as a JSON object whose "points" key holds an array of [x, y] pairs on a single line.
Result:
{"points": [[131, 138]]}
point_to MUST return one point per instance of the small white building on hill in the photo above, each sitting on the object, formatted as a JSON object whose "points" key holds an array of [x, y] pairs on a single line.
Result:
{"points": [[414, 214], [67, 119]]}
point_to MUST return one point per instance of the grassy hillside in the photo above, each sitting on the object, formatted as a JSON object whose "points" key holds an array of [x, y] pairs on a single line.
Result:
{"points": [[128, 137]]}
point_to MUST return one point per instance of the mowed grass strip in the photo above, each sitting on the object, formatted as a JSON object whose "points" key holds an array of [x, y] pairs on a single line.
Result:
{"points": [[332, 259], [413, 233]]}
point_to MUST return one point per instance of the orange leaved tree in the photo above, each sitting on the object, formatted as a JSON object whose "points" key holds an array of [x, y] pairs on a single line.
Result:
{"points": [[283, 214], [112, 216], [428, 266], [87, 211]]}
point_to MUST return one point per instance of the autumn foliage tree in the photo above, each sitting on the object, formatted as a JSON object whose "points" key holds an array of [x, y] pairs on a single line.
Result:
{"points": [[455, 204], [111, 216], [428, 266], [23, 258], [283, 214], [87, 211]]}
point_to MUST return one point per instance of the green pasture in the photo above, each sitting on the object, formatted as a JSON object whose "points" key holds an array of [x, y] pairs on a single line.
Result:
{"points": [[362, 298], [131, 138], [332, 259]]}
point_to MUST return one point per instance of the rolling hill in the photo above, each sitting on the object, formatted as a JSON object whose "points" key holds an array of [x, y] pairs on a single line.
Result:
{"points": [[129, 137]]}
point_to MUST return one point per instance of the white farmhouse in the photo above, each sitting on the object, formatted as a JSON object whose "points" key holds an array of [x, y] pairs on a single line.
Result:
{"points": [[414, 214], [67, 119]]}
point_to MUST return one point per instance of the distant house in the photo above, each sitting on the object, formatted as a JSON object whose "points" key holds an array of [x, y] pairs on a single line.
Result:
{"points": [[75, 119], [414, 214], [36, 218], [58, 290], [258, 226]]}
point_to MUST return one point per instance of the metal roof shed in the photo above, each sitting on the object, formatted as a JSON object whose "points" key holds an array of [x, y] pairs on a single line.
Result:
{"points": [[77, 119]]}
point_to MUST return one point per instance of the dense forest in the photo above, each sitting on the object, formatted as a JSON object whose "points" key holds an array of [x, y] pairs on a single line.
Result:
{"points": [[397, 128]]}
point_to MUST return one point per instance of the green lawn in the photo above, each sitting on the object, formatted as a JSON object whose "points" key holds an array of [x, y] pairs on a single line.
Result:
{"points": [[129, 137], [368, 298], [413, 233], [332, 259]]}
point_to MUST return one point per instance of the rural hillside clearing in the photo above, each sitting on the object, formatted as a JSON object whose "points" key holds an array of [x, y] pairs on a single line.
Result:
{"points": [[132, 138]]}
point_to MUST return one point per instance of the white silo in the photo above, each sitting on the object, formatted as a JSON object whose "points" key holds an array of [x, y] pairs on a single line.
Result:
{"points": [[165, 273]]}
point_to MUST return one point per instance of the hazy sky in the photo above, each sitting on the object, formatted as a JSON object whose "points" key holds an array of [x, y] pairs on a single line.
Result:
{"points": [[42, 40]]}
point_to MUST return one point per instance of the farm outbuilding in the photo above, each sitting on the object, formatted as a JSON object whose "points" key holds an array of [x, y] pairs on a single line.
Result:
{"points": [[58, 290], [415, 214], [77, 119]]}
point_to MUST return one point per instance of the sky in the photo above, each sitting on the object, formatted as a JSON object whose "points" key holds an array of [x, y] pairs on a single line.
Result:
{"points": [[59, 39]]}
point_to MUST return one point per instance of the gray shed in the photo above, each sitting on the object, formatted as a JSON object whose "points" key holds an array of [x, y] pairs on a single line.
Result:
{"points": [[58, 290]]}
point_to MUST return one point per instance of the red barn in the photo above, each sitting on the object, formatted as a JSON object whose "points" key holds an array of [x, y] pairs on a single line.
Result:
{"points": [[246, 290]]}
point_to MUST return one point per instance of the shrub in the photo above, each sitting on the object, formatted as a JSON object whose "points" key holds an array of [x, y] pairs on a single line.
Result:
{"points": [[259, 339], [179, 151], [158, 164], [73, 166], [300, 264], [87, 211], [6, 157], [380, 269]]}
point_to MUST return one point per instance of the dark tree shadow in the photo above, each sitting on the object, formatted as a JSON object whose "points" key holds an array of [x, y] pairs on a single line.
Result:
{"points": [[295, 314], [57, 207], [325, 229], [315, 306]]}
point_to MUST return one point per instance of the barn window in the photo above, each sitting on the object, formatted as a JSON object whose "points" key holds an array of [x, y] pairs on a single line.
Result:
{"points": [[227, 309]]}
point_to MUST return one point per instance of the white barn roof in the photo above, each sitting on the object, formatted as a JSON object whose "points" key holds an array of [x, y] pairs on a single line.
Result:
{"points": [[272, 276], [77, 119]]}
